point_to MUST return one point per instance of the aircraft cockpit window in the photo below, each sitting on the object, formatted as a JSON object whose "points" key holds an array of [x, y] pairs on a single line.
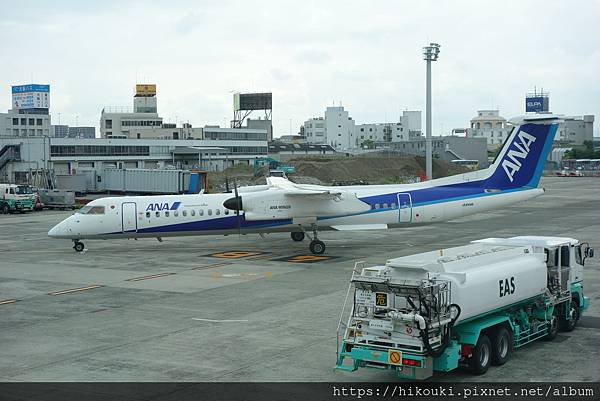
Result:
{"points": [[92, 210]]}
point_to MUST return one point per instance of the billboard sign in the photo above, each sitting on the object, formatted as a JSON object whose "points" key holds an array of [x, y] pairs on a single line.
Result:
{"points": [[31, 96], [145, 89], [536, 104], [253, 101]]}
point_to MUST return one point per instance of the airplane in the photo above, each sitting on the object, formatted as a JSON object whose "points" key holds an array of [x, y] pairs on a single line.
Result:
{"points": [[304, 210]]}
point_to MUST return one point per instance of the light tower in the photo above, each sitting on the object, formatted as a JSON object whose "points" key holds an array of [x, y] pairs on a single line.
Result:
{"points": [[430, 53]]}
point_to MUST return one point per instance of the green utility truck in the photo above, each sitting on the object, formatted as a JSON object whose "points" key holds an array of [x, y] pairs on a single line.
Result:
{"points": [[16, 198]]}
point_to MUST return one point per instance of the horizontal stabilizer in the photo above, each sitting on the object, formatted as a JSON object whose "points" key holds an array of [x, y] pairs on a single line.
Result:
{"points": [[360, 227]]}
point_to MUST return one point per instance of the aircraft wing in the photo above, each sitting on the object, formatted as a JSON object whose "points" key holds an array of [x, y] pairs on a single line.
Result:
{"points": [[291, 189]]}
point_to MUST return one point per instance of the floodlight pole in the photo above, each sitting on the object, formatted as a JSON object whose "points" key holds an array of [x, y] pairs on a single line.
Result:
{"points": [[430, 53]]}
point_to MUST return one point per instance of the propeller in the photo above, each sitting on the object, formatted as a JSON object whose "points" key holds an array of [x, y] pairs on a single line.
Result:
{"points": [[235, 204], [227, 183]]}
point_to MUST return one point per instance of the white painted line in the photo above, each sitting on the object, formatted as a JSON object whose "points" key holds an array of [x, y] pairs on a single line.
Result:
{"points": [[217, 321]]}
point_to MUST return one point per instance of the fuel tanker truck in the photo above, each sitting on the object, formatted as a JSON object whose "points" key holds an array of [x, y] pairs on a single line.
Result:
{"points": [[467, 306]]}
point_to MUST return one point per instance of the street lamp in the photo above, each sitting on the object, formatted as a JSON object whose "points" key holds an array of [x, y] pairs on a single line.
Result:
{"points": [[430, 53]]}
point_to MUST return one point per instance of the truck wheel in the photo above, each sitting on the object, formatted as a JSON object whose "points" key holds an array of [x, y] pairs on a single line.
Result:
{"points": [[502, 345], [482, 355], [553, 328], [569, 325]]}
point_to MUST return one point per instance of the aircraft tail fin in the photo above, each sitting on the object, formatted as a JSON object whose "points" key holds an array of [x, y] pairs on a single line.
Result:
{"points": [[521, 160]]}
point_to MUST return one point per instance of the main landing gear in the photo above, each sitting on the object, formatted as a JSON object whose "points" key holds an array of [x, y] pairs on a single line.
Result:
{"points": [[78, 246], [316, 246]]}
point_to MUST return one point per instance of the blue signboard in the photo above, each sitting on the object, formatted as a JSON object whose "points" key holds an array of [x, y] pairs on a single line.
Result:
{"points": [[536, 104], [30, 88]]}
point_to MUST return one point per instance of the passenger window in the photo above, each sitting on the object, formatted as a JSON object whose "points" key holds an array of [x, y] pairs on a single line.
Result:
{"points": [[157, 214], [385, 205], [377, 206], [393, 205], [148, 214], [218, 212], [210, 212], [193, 212], [373, 206], [201, 212], [175, 213], [166, 214], [184, 213], [226, 211]]}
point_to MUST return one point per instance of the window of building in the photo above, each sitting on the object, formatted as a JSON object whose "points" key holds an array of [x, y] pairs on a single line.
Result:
{"points": [[38, 121], [23, 121], [32, 121], [108, 124], [15, 121]]}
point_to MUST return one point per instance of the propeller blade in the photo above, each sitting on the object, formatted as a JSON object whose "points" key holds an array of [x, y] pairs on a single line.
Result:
{"points": [[237, 209]]}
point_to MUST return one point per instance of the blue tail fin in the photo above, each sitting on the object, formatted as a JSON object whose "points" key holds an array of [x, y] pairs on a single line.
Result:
{"points": [[521, 160]]}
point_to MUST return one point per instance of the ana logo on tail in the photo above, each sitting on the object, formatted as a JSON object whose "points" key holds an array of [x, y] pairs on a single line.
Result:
{"points": [[511, 163]]}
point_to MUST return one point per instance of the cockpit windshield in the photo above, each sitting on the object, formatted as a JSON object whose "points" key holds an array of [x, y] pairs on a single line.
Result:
{"points": [[91, 210]]}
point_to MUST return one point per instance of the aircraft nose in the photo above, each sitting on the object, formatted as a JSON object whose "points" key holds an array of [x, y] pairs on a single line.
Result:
{"points": [[59, 231]]}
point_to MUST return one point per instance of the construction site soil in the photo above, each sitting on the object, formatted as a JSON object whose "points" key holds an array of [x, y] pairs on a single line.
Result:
{"points": [[341, 170]]}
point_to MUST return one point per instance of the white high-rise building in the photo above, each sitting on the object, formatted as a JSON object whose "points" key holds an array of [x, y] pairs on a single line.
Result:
{"points": [[490, 125], [339, 127]]}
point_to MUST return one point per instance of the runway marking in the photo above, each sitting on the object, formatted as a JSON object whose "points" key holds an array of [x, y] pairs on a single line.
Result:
{"points": [[8, 301], [234, 254], [91, 287], [212, 266], [219, 321], [150, 277], [240, 275]]}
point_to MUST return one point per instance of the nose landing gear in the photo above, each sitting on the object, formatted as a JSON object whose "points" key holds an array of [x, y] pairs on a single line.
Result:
{"points": [[78, 246]]}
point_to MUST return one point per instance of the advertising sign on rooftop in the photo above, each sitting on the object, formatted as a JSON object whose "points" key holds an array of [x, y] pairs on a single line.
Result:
{"points": [[145, 90], [537, 104], [31, 96]]}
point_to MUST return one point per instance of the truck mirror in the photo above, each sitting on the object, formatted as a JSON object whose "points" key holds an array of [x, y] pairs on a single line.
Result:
{"points": [[589, 252]]}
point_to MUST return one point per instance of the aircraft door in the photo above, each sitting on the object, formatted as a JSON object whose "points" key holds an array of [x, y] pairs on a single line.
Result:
{"points": [[128, 217], [404, 208]]}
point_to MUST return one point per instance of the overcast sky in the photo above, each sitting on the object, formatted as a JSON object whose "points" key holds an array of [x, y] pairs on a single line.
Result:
{"points": [[365, 55]]}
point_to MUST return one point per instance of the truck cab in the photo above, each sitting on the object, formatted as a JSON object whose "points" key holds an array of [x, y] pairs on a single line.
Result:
{"points": [[16, 198]]}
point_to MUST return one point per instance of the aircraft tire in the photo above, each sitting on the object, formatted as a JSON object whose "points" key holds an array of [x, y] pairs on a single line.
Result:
{"points": [[297, 236], [317, 247], [78, 246]]}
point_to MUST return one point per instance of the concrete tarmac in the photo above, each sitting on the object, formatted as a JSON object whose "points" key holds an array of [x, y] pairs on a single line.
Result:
{"points": [[126, 310]]}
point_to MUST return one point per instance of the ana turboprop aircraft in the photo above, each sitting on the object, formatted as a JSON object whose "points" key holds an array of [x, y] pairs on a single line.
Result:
{"points": [[283, 206]]}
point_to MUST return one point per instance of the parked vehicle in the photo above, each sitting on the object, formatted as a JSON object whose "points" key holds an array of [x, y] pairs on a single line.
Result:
{"points": [[463, 306]]}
